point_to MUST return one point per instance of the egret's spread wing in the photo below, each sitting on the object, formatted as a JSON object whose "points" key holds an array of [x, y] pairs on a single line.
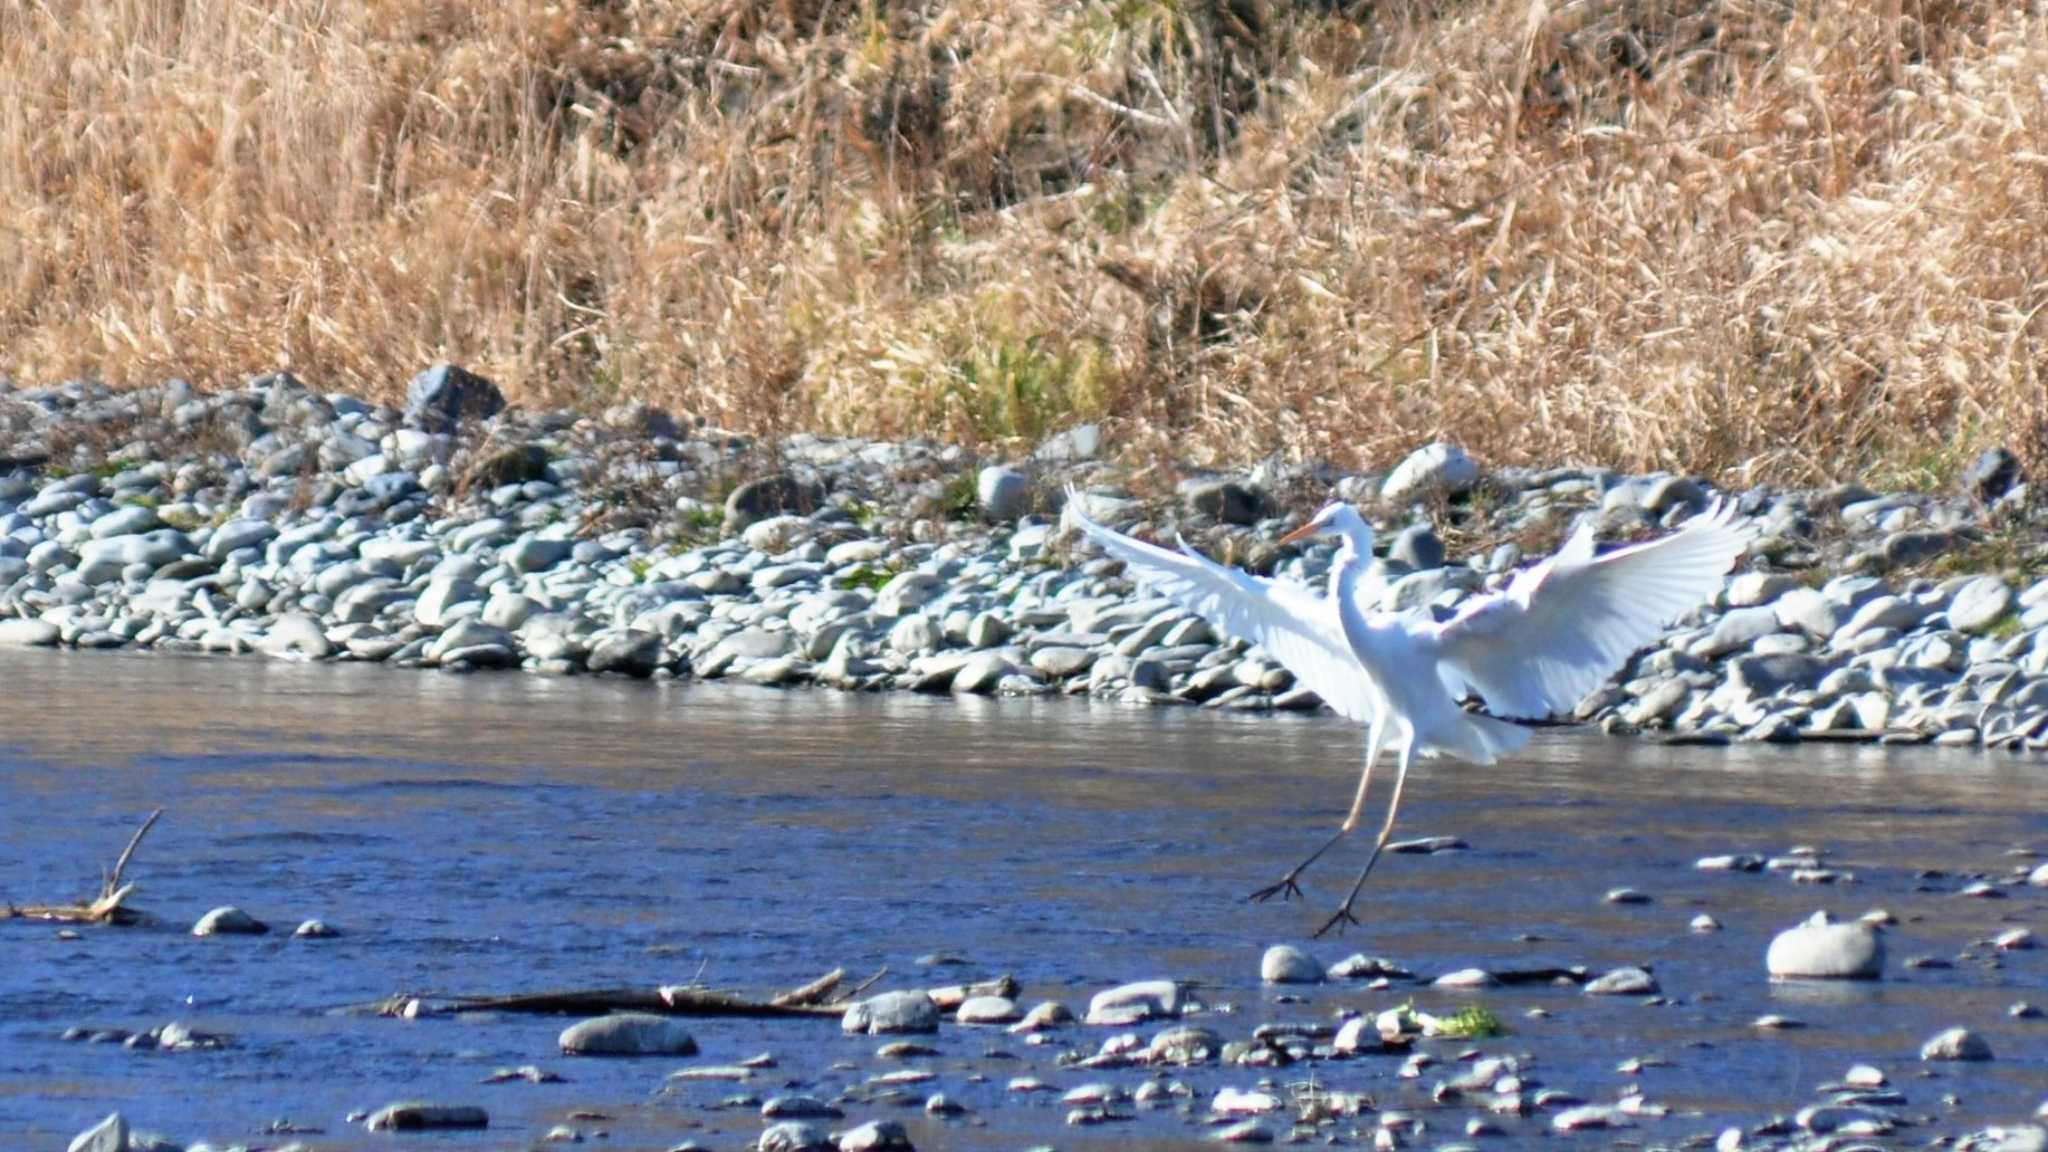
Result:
{"points": [[1564, 626], [1294, 626]]}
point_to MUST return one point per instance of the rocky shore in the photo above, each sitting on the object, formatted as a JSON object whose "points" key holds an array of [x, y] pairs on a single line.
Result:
{"points": [[459, 534]]}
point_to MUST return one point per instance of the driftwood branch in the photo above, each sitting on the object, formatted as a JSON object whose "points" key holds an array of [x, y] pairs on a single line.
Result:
{"points": [[813, 992], [824, 996], [109, 907]]}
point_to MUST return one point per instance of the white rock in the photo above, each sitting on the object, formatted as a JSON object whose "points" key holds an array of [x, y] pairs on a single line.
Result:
{"points": [[986, 1010], [296, 635], [892, 1012], [628, 1034], [1235, 1102], [1956, 1044], [1136, 1002], [416, 1117], [1286, 964], [28, 634], [228, 920], [1979, 604], [436, 605], [1822, 950], [1753, 588], [1437, 469]]}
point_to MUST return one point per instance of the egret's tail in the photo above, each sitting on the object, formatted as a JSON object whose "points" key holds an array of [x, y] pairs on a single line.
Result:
{"points": [[1483, 739]]}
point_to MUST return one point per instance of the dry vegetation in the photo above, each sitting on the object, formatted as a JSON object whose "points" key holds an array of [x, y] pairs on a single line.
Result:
{"points": [[1761, 239]]}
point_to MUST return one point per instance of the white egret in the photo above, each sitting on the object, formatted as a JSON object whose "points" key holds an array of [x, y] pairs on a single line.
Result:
{"points": [[1557, 631]]}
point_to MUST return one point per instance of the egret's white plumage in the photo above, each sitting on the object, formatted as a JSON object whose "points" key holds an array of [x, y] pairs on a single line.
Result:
{"points": [[1556, 632]]}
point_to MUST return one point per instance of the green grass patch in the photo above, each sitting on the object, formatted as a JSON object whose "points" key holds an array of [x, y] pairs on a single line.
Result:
{"points": [[961, 499], [870, 577]]}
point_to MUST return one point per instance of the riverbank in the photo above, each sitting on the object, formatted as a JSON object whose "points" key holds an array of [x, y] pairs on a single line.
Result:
{"points": [[462, 535]]}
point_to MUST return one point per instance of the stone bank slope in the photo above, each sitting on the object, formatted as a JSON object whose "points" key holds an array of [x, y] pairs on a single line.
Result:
{"points": [[459, 535]]}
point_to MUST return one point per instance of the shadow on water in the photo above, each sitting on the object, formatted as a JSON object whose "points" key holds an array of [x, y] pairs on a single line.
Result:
{"points": [[508, 833]]}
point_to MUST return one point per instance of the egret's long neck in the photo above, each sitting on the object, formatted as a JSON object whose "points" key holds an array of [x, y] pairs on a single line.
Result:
{"points": [[1347, 572]]}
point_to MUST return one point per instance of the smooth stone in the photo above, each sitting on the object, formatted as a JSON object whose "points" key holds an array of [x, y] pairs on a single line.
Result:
{"points": [[1287, 964], [892, 1012], [532, 553], [1979, 604], [1956, 1044], [228, 920], [876, 1136], [29, 633], [793, 1136], [1244, 1132], [1003, 492], [315, 930], [1624, 982], [986, 1010], [1821, 950], [1589, 1116], [627, 653], [1466, 978], [798, 1108], [296, 635], [1184, 1045], [236, 535], [1437, 469], [126, 522], [417, 1117], [628, 1034], [1135, 1003]]}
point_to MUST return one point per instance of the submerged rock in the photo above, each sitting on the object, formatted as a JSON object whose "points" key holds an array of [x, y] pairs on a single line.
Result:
{"points": [[411, 1116], [1286, 964], [228, 920]]}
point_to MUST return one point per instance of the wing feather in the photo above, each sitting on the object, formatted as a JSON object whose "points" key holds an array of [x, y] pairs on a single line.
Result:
{"points": [[1296, 627], [1563, 627]]}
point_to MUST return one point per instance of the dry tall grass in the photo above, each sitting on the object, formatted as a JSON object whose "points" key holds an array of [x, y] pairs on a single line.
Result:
{"points": [[1762, 238]]}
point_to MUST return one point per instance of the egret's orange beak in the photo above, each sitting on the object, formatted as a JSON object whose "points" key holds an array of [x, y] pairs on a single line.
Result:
{"points": [[1299, 534]]}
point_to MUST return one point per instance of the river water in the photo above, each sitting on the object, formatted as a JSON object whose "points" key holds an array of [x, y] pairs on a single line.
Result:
{"points": [[502, 833]]}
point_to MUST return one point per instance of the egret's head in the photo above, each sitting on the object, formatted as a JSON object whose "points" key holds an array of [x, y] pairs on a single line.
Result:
{"points": [[1334, 519]]}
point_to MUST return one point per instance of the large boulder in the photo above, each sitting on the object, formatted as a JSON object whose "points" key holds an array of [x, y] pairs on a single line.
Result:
{"points": [[892, 1012], [628, 1034], [1823, 950]]}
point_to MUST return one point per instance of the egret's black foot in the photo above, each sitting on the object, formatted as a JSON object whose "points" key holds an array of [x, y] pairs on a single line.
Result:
{"points": [[1286, 889], [1337, 921]]}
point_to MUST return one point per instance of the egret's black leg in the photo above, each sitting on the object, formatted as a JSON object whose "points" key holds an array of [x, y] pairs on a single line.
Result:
{"points": [[1343, 914], [1286, 888]]}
